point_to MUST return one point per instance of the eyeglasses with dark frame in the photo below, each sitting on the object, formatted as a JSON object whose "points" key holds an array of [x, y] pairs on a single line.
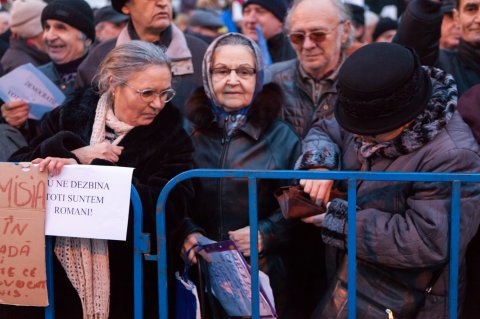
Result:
{"points": [[149, 95], [316, 36], [243, 72]]}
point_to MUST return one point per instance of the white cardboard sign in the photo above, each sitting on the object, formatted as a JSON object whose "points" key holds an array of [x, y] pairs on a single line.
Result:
{"points": [[89, 201]]}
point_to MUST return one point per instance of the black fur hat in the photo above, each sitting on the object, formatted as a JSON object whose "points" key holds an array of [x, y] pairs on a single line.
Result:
{"points": [[381, 87], [76, 13]]}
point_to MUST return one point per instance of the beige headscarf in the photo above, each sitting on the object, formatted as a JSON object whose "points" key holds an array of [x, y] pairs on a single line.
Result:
{"points": [[86, 260]]}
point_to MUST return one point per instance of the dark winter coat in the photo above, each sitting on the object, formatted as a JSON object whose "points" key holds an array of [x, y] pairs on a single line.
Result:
{"points": [[280, 48], [420, 30], [405, 225], [221, 205], [183, 82], [299, 109], [158, 152], [20, 53]]}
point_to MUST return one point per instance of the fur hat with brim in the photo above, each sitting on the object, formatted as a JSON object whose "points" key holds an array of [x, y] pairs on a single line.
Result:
{"points": [[381, 87]]}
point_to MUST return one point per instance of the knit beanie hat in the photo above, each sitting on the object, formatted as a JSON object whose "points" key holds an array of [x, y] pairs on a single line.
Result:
{"points": [[277, 7], [384, 25], [25, 17], [76, 13]]}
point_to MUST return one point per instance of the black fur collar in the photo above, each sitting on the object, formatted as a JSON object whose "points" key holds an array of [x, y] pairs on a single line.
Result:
{"points": [[265, 107]]}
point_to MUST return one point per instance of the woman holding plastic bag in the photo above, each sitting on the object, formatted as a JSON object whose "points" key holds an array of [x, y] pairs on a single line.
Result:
{"points": [[234, 125]]}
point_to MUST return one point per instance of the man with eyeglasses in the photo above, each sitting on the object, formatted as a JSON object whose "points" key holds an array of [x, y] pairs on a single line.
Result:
{"points": [[151, 21], [319, 31], [269, 15], [420, 29]]}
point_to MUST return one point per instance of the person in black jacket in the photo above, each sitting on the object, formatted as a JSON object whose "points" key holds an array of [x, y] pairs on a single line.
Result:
{"points": [[126, 122], [234, 125]]}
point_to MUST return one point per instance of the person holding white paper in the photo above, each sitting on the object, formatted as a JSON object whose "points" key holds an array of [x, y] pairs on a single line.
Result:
{"points": [[68, 33], [128, 121]]}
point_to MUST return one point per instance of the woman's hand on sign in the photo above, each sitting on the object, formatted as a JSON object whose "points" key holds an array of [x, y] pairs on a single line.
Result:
{"points": [[15, 113], [241, 237], [102, 150], [53, 165]]}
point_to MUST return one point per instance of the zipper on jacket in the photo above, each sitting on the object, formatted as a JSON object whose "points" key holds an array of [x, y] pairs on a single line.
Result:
{"points": [[225, 142]]}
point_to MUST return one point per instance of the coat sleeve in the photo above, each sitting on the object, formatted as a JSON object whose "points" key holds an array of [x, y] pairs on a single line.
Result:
{"points": [[276, 230], [418, 237], [320, 146], [420, 28], [52, 141]]}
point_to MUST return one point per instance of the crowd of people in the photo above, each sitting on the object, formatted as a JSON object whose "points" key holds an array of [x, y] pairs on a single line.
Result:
{"points": [[258, 84]]}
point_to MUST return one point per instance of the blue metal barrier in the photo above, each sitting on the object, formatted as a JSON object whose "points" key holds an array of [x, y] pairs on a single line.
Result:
{"points": [[352, 177], [141, 243]]}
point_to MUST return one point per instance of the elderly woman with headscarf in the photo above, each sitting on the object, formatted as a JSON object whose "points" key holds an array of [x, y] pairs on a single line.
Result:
{"points": [[234, 125], [126, 122]]}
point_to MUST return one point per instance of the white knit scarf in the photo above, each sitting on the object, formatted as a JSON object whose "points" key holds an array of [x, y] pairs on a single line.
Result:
{"points": [[86, 260]]}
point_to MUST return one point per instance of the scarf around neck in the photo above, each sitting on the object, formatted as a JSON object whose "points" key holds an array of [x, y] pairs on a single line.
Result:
{"points": [[231, 121], [424, 128], [86, 260]]}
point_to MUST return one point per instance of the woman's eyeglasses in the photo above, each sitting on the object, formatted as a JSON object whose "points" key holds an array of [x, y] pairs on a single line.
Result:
{"points": [[316, 36], [149, 95], [243, 72]]}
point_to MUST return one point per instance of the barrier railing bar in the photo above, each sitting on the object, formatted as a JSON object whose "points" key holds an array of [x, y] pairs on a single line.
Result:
{"points": [[253, 215], [352, 248], [454, 250], [139, 248], [333, 175], [162, 248], [50, 309]]}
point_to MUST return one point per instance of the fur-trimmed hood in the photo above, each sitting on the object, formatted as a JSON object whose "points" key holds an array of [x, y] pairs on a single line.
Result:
{"points": [[265, 108]]}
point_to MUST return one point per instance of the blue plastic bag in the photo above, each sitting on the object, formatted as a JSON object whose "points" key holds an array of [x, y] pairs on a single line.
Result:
{"points": [[187, 303]]}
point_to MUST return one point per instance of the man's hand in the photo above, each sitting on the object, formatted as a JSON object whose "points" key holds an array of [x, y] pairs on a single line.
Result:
{"points": [[241, 237], [53, 165], [102, 150], [15, 113], [318, 189]]}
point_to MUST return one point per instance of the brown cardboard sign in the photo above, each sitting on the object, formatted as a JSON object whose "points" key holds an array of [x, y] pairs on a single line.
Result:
{"points": [[23, 193]]}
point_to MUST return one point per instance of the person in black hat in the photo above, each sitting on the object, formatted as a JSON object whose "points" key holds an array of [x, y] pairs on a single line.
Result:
{"points": [[269, 15], [69, 32], [108, 23], [395, 115], [385, 30], [420, 29]]}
